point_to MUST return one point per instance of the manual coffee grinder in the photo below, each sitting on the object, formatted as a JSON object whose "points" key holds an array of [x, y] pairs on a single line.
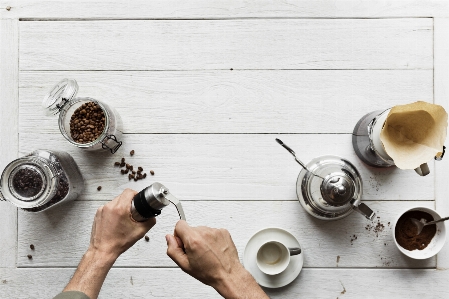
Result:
{"points": [[149, 203]]}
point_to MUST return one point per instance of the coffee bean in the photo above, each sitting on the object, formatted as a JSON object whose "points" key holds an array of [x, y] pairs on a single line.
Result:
{"points": [[130, 176], [144, 175], [147, 238], [85, 127], [134, 172], [117, 163], [99, 188], [140, 168], [131, 153], [135, 179], [122, 164], [32, 247], [27, 182], [131, 168], [29, 256], [123, 160], [152, 172], [126, 171], [122, 171]]}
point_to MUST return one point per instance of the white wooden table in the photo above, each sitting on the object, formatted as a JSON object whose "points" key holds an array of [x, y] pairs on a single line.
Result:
{"points": [[204, 88]]}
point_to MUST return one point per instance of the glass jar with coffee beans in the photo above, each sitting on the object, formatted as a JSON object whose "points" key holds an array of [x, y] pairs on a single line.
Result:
{"points": [[85, 122], [41, 180]]}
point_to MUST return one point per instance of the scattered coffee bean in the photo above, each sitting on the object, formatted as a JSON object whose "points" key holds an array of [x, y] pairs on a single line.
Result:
{"points": [[131, 153], [99, 188], [117, 163], [135, 179], [87, 123], [147, 238], [127, 166], [32, 247], [29, 256], [126, 171], [144, 175], [123, 160], [130, 176], [140, 168], [122, 164], [152, 172], [122, 171], [131, 168], [134, 172]]}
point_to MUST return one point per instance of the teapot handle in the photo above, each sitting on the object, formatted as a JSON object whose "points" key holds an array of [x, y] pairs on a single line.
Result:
{"points": [[365, 211]]}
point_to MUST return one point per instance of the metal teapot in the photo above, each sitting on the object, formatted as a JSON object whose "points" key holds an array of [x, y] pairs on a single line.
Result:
{"points": [[330, 188]]}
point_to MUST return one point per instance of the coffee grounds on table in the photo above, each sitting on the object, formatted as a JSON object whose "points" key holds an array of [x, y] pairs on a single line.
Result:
{"points": [[87, 123], [27, 182], [406, 231]]}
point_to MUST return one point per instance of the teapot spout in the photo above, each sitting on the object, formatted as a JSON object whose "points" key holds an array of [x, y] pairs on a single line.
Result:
{"points": [[363, 209]]}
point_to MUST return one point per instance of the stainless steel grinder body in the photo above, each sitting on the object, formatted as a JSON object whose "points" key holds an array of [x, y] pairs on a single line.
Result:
{"points": [[149, 202]]}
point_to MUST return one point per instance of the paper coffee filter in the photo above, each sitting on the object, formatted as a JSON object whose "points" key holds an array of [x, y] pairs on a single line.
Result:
{"points": [[414, 133]]}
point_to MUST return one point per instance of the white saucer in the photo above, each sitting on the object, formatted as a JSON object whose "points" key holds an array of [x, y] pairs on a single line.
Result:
{"points": [[249, 258]]}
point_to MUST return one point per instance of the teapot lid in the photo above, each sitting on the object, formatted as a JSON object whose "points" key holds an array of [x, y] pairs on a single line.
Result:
{"points": [[337, 188], [330, 191]]}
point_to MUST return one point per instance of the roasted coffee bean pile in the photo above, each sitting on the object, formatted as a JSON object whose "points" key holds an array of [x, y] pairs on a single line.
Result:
{"points": [[130, 171], [87, 123], [61, 193], [27, 182]]}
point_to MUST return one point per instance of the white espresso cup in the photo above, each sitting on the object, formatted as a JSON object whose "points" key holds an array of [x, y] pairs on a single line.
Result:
{"points": [[273, 257]]}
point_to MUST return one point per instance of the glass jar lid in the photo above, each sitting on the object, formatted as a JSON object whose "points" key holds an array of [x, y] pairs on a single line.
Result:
{"points": [[28, 182], [59, 96]]}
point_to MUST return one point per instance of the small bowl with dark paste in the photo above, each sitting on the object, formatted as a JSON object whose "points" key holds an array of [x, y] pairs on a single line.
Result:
{"points": [[425, 245]]}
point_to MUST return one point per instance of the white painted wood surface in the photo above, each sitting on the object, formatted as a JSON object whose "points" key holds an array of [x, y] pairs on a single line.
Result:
{"points": [[225, 44], [441, 90], [173, 283], [204, 9], [9, 135], [171, 62], [61, 236], [260, 101], [229, 166]]}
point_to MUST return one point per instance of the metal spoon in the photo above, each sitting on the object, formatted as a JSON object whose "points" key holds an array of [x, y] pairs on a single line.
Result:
{"points": [[423, 222], [296, 159]]}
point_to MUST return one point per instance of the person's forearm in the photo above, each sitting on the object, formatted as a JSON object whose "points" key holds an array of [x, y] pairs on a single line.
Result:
{"points": [[240, 285], [91, 273]]}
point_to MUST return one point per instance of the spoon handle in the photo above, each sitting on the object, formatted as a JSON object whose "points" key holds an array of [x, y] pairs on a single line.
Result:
{"points": [[436, 221]]}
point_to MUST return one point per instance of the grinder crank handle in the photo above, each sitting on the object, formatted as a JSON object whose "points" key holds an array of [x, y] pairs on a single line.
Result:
{"points": [[177, 204]]}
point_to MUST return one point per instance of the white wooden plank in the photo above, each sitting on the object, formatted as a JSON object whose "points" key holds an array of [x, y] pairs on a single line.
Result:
{"points": [[232, 101], [61, 236], [9, 141], [173, 283], [228, 166], [225, 44], [441, 87], [201, 9]]}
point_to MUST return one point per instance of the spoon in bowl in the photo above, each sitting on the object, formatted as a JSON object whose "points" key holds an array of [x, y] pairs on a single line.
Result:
{"points": [[423, 222]]}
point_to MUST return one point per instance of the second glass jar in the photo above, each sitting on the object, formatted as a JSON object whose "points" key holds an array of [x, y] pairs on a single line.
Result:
{"points": [[98, 126]]}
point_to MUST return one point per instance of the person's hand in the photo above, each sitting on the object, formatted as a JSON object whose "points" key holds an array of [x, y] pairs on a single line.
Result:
{"points": [[113, 230], [209, 255]]}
